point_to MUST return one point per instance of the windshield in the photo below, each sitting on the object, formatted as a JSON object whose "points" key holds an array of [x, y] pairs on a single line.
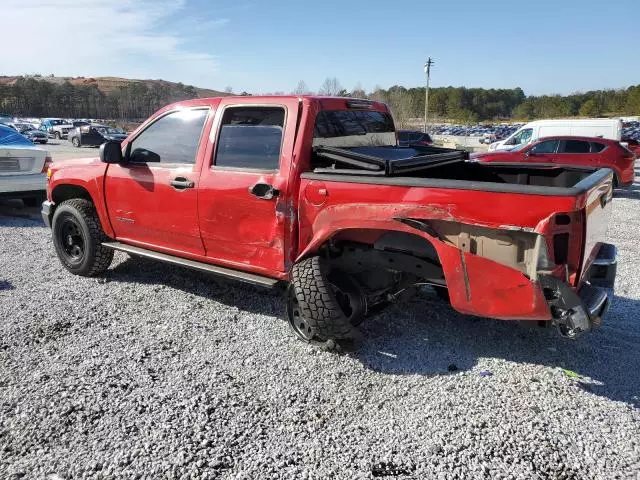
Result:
{"points": [[8, 136]]}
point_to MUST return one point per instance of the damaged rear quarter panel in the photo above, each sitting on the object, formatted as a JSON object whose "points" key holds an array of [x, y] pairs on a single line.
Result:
{"points": [[486, 241]]}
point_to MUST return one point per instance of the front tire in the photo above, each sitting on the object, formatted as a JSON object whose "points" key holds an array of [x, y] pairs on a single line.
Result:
{"points": [[76, 142], [57, 135], [325, 305], [78, 237]]}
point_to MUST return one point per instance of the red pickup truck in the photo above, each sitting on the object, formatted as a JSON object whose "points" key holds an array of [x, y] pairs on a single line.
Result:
{"points": [[314, 193]]}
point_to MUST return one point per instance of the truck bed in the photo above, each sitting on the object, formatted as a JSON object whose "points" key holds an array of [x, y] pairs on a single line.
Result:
{"points": [[447, 168]]}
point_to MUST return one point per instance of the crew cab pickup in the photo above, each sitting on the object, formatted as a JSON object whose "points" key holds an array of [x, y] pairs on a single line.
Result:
{"points": [[313, 193]]}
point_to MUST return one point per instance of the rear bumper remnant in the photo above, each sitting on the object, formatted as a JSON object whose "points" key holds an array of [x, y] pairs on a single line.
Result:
{"points": [[577, 312]]}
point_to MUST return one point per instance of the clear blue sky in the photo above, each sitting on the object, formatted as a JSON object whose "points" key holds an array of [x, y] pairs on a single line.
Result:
{"points": [[266, 46]]}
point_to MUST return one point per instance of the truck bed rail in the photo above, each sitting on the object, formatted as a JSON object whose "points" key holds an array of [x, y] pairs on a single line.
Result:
{"points": [[386, 161]]}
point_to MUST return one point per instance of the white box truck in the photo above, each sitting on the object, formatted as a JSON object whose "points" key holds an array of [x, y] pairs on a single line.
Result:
{"points": [[610, 128]]}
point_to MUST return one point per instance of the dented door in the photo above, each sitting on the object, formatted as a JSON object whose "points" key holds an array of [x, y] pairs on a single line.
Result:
{"points": [[243, 194]]}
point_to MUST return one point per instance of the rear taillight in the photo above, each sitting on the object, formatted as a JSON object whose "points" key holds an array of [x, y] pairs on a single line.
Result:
{"points": [[47, 163]]}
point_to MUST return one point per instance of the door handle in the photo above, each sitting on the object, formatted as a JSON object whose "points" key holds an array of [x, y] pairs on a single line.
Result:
{"points": [[264, 191], [181, 183]]}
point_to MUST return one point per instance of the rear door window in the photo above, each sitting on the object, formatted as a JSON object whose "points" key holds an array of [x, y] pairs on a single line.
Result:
{"points": [[250, 138], [597, 147], [575, 146]]}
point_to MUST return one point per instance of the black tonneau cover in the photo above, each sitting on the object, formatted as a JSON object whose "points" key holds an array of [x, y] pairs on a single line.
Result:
{"points": [[388, 161]]}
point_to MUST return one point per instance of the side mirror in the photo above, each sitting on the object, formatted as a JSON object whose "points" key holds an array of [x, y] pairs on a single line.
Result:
{"points": [[111, 152]]}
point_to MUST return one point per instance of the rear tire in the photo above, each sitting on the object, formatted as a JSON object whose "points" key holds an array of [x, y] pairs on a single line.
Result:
{"points": [[327, 308], [57, 135], [78, 237], [76, 142]]}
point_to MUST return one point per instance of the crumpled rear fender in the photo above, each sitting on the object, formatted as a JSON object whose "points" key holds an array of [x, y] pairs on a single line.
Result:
{"points": [[488, 270]]}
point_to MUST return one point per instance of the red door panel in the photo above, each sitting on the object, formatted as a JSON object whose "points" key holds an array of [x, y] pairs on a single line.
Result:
{"points": [[145, 209], [237, 227]]}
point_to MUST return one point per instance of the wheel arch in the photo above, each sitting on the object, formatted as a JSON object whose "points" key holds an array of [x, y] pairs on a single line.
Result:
{"points": [[66, 191]]}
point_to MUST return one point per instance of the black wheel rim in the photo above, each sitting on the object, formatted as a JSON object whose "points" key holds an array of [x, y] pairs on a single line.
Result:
{"points": [[71, 240], [298, 323]]}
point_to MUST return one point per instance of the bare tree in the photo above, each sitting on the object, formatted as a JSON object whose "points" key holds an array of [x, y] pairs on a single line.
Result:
{"points": [[379, 95], [403, 106], [301, 89], [358, 91], [331, 87]]}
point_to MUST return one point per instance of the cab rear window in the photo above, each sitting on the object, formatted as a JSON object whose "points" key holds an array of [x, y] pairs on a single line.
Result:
{"points": [[344, 123]]}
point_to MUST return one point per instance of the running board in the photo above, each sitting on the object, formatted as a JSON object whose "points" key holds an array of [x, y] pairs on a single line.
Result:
{"points": [[203, 267]]}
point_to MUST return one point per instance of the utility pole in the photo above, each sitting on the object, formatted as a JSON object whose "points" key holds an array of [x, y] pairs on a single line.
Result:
{"points": [[427, 71]]}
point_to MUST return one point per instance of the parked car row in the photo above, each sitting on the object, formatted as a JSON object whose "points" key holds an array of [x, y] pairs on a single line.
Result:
{"points": [[489, 133], [78, 132]]}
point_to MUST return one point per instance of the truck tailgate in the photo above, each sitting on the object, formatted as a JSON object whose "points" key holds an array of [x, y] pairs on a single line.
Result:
{"points": [[597, 210]]}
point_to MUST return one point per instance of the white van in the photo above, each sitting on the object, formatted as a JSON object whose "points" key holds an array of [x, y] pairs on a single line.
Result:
{"points": [[600, 127]]}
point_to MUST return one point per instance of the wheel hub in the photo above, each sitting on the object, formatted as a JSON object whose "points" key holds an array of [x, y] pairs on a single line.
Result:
{"points": [[72, 240]]}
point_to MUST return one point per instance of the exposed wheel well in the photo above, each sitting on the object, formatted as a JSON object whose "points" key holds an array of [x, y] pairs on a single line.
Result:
{"points": [[66, 192], [384, 262]]}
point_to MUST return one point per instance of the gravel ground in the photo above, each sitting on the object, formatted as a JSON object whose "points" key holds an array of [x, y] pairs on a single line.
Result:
{"points": [[157, 372]]}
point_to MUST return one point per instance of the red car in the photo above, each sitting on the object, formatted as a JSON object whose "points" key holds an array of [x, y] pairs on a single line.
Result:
{"points": [[314, 194], [580, 151]]}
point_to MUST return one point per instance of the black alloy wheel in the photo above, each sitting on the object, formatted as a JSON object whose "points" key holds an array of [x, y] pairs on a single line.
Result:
{"points": [[72, 240]]}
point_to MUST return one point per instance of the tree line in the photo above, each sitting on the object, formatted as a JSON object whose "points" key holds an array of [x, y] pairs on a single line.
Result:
{"points": [[31, 97], [470, 105]]}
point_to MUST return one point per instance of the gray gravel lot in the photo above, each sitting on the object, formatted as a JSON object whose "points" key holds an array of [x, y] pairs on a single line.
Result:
{"points": [[158, 372]]}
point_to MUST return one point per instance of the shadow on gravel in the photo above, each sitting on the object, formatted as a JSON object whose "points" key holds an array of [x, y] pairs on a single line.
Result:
{"points": [[6, 285], [10, 210], [231, 293], [428, 338]]}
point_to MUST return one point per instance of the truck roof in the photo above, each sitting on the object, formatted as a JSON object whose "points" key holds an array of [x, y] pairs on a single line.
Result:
{"points": [[272, 98]]}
